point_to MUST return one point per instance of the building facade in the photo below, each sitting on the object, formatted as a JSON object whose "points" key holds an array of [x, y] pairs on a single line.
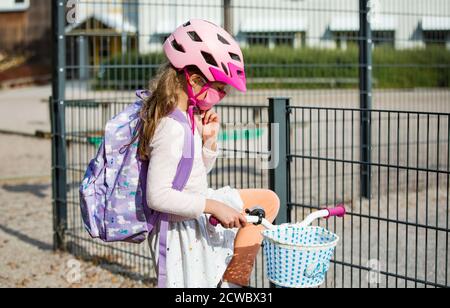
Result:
{"points": [[302, 23], [24, 25]]}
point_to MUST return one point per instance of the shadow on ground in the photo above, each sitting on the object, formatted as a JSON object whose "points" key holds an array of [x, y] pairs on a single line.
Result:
{"points": [[38, 190], [110, 265], [25, 238]]}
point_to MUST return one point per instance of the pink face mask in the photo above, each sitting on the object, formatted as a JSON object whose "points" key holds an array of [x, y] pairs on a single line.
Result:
{"points": [[212, 98]]}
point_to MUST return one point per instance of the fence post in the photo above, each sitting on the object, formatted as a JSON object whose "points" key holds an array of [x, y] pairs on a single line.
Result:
{"points": [[57, 113], [279, 141], [227, 16], [365, 87]]}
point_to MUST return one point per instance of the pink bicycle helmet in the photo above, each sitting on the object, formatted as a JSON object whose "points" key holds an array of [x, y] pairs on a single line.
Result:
{"points": [[210, 48]]}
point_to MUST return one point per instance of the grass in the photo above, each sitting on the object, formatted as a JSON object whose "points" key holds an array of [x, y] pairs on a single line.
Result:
{"points": [[302, 68]]}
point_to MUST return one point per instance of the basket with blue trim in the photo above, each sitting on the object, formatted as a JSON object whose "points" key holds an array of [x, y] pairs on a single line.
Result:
{"points": [[297, 256]]}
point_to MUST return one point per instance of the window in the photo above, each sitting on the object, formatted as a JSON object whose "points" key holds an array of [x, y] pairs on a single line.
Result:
{"points": [[258, 39], [345, 39], [436, 38], [284, 39], [351, 38], [383, 38], [14, 5], [274, 39]]}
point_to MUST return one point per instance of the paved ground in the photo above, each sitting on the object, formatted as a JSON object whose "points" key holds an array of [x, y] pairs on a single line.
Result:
{"points": [[25, 110]]}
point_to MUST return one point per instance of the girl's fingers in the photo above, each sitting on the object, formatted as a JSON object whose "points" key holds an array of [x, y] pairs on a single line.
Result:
{"points": [[243, 221], [210, 116], [214, 118], [203, 117], [206, 116], [237, 222]]}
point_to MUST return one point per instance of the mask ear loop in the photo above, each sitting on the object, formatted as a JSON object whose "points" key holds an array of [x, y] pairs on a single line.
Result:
{"points": [[205, 88], [192, 98]]}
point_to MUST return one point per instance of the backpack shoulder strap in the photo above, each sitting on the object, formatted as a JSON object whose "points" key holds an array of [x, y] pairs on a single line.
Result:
{"points": [[181, 178], [187, 160]]}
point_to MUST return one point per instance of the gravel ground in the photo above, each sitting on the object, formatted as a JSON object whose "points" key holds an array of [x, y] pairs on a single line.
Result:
{"points": [[27, 258]]}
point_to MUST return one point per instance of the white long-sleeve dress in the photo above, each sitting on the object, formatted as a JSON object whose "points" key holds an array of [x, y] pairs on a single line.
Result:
{"points": [[198, 253]]}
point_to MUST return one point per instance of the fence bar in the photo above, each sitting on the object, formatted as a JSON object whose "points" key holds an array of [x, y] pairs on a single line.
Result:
{"points": [[58, 125], [365, 86]]}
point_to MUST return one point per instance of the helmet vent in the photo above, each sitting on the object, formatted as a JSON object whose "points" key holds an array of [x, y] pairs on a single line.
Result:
{"points": [[235, 57], [223, 40], [177, 46], [225, 68], [187, 24], [209, 59], [194, 36]]}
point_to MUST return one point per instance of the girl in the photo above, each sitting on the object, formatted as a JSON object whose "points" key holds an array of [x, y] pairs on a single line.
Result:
{"points": [[204, 61]]}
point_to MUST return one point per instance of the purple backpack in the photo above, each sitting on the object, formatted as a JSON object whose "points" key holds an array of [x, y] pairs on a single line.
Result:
{"points": [[113, 202]]}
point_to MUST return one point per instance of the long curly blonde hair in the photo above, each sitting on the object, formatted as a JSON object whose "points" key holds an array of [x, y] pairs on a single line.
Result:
{"points": [[164, 97]]}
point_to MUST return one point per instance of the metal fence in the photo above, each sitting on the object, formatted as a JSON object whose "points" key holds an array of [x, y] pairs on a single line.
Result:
{"points": [[239, 167], [366, 123], [399, 236]]}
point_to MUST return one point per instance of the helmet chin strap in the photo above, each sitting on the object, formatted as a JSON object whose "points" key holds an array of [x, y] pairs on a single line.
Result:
{"points": [[192, 99], [190, 111]]}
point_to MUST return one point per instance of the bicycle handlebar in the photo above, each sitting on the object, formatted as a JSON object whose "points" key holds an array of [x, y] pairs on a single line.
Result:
{"points": [[338, 211]]}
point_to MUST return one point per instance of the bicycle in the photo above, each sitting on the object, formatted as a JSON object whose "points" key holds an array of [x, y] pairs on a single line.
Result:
{"points": [[297, 255]]}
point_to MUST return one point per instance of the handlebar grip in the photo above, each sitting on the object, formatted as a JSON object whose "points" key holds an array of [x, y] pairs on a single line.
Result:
{"points": [[338, 211], [214, 221]]}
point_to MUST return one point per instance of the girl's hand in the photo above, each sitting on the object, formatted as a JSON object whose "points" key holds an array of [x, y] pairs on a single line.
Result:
{"points": [[211, 126], [228, 217]]}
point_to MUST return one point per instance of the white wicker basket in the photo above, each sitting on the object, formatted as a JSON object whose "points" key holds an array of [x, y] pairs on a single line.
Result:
{"points": [[297, 256]]}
